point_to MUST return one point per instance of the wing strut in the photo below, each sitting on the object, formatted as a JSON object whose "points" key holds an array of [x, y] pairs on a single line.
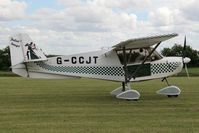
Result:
{"points": [[125, 69], [138, 68]]}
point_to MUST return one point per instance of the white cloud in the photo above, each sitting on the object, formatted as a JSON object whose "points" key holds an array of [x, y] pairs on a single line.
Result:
{"points": [[85, 25], [4, 34], [89, 25], [164, 17], [171, 20], [130, 4], [47, 14], [88, 17], [119, 4], [191, 10], [70, 3], [12, 10]]}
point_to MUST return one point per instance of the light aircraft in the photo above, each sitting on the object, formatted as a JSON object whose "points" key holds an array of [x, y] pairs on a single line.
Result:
{"points": [[128, 61]]}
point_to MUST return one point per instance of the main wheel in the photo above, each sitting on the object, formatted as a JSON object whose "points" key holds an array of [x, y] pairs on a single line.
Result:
{"points": [[131, 99], [172, 96]]}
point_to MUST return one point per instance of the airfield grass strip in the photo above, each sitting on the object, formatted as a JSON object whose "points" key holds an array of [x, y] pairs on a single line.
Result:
{"points": [[85, 106], [193, 72], [7, 74]]}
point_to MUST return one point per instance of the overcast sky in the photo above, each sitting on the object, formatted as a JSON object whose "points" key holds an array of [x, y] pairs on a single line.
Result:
{"points": [[73, 26]]}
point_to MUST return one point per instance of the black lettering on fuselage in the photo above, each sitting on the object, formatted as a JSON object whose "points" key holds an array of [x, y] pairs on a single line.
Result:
{"points": [[83, 60], [59, 60], [66, 60], [88, 61], [95, 59], [74, 60]]}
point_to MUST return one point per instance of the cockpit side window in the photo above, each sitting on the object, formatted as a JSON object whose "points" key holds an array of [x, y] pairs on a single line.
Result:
{"points": [[138, 55], [155, 56]]}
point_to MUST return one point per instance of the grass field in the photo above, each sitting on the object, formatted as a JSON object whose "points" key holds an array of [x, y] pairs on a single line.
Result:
{"points": [[85, 106], [193, 72]]}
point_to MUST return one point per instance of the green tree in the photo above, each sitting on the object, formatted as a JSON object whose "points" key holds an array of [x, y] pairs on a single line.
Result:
{"points": [[5, 59], [177, 50]]}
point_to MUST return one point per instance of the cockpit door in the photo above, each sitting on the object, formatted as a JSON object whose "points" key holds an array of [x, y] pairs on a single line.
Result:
{"points": [[134, 59], [145, 70]]}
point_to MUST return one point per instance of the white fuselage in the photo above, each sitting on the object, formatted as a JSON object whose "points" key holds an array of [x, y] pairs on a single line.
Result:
{"points": [[102, 65]]}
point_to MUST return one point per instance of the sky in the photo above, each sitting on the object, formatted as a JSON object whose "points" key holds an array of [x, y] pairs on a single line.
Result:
{"points": [[66, 27]]}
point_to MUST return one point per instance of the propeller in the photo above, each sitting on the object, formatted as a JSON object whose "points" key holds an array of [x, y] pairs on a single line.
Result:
{"points": [[185, 59]]}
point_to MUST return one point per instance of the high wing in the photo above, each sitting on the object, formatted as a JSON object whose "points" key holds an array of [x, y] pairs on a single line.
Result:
{"points": [[143, 42]]}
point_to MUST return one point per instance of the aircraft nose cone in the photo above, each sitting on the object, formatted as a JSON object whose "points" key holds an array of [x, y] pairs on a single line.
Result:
{"points": [[186, 60]]}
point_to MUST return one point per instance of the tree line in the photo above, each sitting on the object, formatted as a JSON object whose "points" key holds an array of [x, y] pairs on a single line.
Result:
{"points": [[176, 50], [5, 61]]}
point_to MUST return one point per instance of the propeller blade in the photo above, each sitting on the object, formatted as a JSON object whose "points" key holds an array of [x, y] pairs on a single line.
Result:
{"points": [[186, 71], [184, 58], [184, 49]]}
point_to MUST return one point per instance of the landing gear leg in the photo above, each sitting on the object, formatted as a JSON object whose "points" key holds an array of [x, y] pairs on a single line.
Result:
{"points": [[166, 81], [125, 92], [123, 86]]}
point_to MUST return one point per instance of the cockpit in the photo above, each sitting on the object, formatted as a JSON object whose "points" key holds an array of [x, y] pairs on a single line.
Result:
{"points": [[136, 56]]}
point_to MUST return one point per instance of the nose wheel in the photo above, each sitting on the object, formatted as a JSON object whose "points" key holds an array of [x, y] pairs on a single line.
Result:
{"points": [[170, 91]]}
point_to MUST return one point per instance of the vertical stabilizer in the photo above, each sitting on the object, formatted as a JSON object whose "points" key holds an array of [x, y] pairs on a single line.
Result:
{"points": [[16, 50], [22, 51]]}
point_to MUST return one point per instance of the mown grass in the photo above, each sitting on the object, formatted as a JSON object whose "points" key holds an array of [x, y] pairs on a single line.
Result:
{"points": [[85, 106], [7, 74], [193, 72]]}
